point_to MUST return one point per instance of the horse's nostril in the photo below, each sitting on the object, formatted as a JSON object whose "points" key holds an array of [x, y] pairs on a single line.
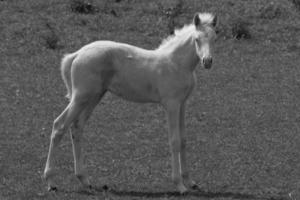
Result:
{"points": [[207, 60]]}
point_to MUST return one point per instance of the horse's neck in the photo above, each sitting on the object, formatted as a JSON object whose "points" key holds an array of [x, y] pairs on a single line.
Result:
{"points": [[184, 54]]}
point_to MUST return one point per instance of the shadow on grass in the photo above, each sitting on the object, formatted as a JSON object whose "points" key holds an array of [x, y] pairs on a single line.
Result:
{"points": [[194, 193]]}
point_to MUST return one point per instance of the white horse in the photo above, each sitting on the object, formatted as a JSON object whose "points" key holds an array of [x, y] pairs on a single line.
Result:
{"points": [[164, 75]]}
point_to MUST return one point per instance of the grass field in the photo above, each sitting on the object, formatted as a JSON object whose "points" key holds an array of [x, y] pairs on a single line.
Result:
{"points": [[242, 119]]}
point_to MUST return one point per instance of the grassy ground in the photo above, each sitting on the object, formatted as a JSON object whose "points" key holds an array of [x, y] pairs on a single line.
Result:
{"points": [[242, 120]]}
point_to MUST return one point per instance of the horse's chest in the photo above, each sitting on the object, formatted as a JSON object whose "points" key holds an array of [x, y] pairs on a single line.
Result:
{"points": [[179, 86]]}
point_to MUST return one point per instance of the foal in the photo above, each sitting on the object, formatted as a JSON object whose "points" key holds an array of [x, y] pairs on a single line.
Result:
{"points": [[164, 75]]}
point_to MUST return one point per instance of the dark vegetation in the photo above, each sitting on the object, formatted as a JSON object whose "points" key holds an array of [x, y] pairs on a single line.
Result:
{"points": [[240, 30], [242, 120], [296, 3], [51, 38], [171, 13], [83, 7]]}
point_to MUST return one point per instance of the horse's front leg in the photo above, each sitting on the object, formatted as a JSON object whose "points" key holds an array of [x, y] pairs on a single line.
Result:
{"points": [[184, 169], [175, 140]]}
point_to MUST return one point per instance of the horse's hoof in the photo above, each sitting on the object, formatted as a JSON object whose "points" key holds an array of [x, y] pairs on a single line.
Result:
{"points": [[87, 188], [52, 189], [183, 193], [182, 190], [90, 189], [294, 195], [105, 187], [195, 187]]}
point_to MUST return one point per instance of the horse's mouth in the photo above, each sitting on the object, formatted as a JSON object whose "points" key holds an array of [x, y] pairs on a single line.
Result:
{"points": [[207, 66]]}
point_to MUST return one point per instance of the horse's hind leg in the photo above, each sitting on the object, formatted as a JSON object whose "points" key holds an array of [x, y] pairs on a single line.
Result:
{"points": [[60, 126], [76, 136]]}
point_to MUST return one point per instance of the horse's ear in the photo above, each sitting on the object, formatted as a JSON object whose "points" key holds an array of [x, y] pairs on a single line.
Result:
{"points": [[214, 21], [197, 20]]}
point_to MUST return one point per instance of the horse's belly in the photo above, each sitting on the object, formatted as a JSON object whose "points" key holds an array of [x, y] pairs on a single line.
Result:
{"points": [[138, 92]]}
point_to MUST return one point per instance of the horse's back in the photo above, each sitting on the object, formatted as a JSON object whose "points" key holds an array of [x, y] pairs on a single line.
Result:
{"points": [[122, 69]]}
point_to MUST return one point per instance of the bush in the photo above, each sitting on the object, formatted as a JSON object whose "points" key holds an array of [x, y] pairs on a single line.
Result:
{"points": [[296, 3], [171, 13], [51, 38], [270, 11], [83, 7], [239, 30], [51, 41]]}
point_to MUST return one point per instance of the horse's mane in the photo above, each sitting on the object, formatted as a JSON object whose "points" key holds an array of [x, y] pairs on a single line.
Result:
{"points": [[179, 34], [186, 31]]}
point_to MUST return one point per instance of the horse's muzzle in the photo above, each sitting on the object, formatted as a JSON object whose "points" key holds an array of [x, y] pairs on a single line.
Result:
{"points": [[207, 62]]}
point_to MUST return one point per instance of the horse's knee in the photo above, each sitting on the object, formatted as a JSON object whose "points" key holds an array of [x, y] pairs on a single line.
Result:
{"points": [[56, 137], [58, 125], [57, 131], [78, 123], [75, 135], [175, 144], [77, 128]]}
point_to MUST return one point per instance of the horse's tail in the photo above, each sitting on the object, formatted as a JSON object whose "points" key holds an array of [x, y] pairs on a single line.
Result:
{"points": [[66, 65]]}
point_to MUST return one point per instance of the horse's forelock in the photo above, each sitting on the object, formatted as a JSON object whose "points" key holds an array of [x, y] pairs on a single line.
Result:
{"points": [[187, 30], [206, 18]]}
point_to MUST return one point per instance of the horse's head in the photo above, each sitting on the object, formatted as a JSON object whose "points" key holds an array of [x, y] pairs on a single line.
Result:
{"points": [[204, 37]]}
